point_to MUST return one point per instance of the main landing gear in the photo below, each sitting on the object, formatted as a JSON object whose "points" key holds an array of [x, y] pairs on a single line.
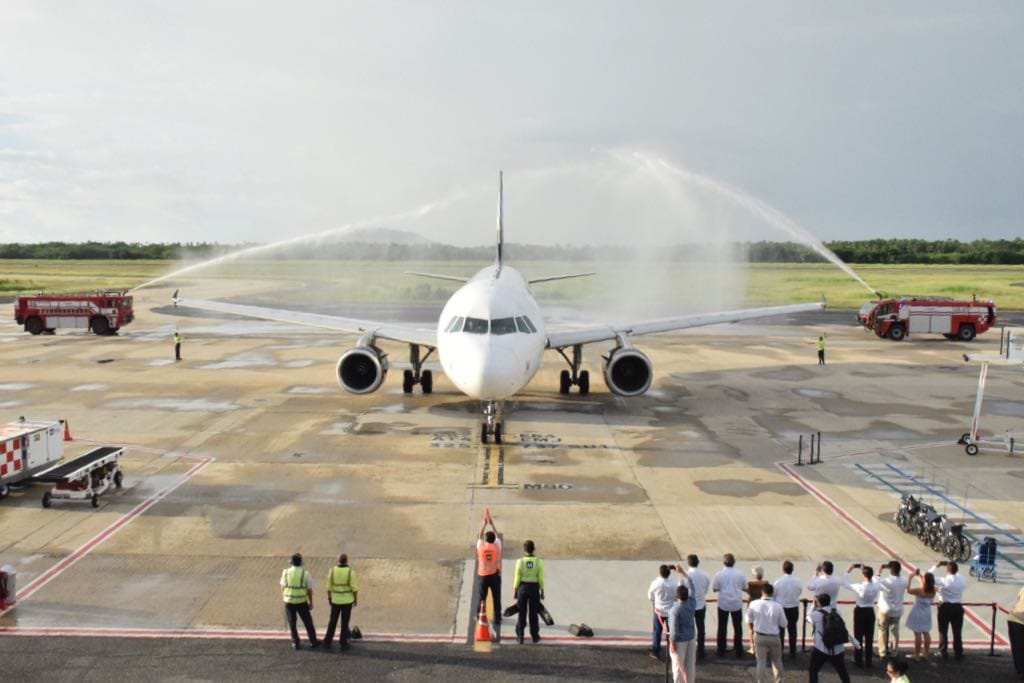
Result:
{"points": [[425, 378], [574, 376], [493, 423]]}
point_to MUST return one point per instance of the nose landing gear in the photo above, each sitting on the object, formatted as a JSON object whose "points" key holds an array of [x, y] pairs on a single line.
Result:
{"points": [[493, 424]]}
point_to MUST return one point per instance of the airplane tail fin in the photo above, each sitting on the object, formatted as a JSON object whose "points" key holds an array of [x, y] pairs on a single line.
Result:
{"points": [[501, 214]]}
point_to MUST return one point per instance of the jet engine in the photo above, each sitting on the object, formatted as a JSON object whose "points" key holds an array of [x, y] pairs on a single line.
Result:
{"points": [[628, 372], [361, 370]]}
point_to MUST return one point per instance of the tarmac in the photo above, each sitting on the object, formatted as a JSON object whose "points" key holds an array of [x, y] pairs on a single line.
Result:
{"points": [[247, 451]]}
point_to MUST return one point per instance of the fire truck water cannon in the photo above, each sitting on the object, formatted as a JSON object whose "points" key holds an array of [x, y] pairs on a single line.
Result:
{"points": [[898, 318], [103, 312]]}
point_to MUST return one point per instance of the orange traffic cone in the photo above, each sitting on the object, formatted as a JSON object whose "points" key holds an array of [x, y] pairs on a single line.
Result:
{"points": [[67, 431], [483, 629]]}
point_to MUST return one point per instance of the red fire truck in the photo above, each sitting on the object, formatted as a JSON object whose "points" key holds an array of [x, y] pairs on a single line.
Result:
{"points": [[102, 312], [961, 320]]}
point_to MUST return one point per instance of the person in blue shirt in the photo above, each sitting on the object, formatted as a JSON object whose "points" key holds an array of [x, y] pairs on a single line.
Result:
{"points": [[682, 632]]}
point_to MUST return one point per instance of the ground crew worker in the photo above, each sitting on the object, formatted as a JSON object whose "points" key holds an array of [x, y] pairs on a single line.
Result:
{"points": [[821, 350], [529, 591], [177, 345], [343, 595], [298, 600], [488, 561]]}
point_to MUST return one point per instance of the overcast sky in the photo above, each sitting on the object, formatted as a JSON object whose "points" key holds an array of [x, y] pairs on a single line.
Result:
{"points": [[248, 121]]}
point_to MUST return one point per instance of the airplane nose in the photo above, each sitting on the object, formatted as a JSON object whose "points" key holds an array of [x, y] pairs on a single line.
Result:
{"points": [[498, 375]]}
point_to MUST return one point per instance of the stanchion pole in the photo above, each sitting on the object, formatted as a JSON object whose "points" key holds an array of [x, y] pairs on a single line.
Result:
{"points": [[803, 628], [992, 642], [811, 459], [800, 450], [819, 448]]}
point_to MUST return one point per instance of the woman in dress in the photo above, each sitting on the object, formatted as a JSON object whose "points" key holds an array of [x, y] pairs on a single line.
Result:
{"points": [[920, 618]]}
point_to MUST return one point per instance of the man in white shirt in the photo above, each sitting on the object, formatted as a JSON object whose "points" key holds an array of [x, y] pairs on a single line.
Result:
{"points": [[824, 582], [821, 655], [767, 620], [787, 594], [863, 612], [701, 583], [950, 589], [729, 584], [891, 590], [662, 595]]}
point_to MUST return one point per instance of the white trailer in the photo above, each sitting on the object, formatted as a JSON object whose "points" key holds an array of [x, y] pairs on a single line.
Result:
{"points": [[28, 447], [1011, 353]]}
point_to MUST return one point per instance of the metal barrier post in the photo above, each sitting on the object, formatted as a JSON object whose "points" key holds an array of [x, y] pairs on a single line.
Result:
{"points": [[800, 450], [668, 654], [803, 628], [992, 642], [811, 459], [819, 447]]}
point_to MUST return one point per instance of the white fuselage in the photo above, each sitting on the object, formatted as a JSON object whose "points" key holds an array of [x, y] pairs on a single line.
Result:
{"points": [[490, 337]]}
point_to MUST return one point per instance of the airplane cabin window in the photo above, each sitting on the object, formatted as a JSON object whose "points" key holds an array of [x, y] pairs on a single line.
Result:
{"points": [[529, 323], [503, 326], [476, 326], [521, 325]]}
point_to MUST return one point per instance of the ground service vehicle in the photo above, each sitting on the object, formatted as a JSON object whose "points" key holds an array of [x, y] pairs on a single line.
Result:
{"points": [[28, 447], [961, 320], [99, 311]]}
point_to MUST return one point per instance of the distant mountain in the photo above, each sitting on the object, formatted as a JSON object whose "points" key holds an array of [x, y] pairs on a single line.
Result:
{"points": [[381, 236]]}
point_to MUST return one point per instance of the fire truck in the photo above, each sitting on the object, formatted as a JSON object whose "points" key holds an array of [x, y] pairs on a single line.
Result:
{"points": [[961, 320], [102, 312]]}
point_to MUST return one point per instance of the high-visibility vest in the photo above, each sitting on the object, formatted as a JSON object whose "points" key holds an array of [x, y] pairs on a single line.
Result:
{"points": [[340, 586], [295, 591], [821, 344], [488, 559], [529, 569], [177, 338]]}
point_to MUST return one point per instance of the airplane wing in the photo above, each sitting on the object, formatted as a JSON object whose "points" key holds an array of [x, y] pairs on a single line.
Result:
{"points": [[397, 332], [588, 335]]}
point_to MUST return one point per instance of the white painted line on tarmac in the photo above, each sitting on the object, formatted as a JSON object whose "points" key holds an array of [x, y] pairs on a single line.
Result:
{"points": [[99, 538]]}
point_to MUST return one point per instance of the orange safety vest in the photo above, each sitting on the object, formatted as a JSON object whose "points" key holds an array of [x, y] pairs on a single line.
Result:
{"points": [[488, 558]]}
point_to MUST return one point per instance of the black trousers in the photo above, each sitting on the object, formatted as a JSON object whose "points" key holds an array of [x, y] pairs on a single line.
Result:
{"points": [[345, 612], [528, 599], [819, 659], [863, 633], [951, 614], [737, 631], [821, 357], [302, 610], [1017, 646], [177, 351], [792, 619], [698, 620], [493, 583]]}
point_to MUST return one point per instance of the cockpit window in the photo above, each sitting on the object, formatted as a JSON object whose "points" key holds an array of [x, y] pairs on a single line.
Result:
{"points": [[455, 325], [503, 326], [529, 324], [476, 326], [521, 325]]}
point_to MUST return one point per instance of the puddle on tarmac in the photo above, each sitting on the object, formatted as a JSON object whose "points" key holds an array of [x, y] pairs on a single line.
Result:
{"points": [[16, 386], [1004, 408], [181, 404], [742, 488], [90, 387], [249, 359], [790, 374], [297, 363], [9, 404], [816, 393], [310, 390], [162, 361]]}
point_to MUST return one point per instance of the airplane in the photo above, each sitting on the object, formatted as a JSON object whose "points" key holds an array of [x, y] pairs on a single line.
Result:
{"points": [[491, 338]]}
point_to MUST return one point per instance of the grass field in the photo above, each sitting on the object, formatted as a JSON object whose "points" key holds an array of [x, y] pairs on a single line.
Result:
{"points": [[386, 281]]}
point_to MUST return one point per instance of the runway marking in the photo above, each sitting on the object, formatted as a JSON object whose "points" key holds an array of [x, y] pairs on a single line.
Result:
{"points": [[104, 535], [493, 474], [969, 533], [877, 542]]}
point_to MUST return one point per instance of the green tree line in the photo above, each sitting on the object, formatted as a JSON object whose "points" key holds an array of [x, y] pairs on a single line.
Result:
{"points": [[880, 251]]}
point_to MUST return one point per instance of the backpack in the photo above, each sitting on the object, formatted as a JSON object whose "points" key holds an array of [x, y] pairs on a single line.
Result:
{"points": [[833, 630]]}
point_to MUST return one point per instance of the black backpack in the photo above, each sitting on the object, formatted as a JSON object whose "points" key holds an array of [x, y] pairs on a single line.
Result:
{"points": [[833, 629]]}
